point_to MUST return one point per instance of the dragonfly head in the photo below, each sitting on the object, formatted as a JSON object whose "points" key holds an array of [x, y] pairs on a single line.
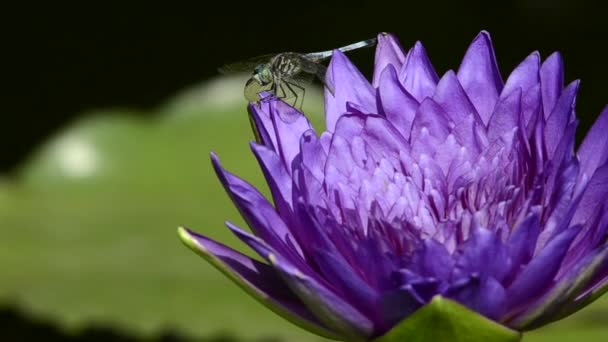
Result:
{"points": [[260, 81], [262, 74]]}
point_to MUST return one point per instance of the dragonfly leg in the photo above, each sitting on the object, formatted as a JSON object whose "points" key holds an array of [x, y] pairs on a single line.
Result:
{"points": [[299, 87], [278, 85], [283, 91], [273, 88], [295, 95]]}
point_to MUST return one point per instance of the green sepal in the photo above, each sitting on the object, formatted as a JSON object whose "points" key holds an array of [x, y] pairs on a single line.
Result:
{"points": [[443, 320]]}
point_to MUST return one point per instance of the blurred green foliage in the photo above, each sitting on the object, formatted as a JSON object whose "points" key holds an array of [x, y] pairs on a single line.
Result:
{"points": [[89, 226]]}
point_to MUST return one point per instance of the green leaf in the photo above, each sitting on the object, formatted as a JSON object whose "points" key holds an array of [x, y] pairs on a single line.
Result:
{"points": [[445, 320]]}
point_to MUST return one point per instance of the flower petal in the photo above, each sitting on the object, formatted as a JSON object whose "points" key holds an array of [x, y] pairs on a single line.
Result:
{"points": [[259, 280], [349, 86], [525, 76], [531, 105], [453, 99], [313, 152], [257, 212], [559, 302], [483, 253], [522, 242], [279, 127], [539, 273], [396, 103], [552, 81], [333, 267], [593, 152], [278, 179], [505, 117], [261, 124], [388, 52], [485, 296], [430, 120], [328, 307], [432, 260], [417, 74], [383, 140], [560, 117], [595, 194], [479, 75]]}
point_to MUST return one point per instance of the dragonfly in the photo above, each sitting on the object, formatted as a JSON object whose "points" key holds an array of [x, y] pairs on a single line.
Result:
{"points": [[285, 74]]}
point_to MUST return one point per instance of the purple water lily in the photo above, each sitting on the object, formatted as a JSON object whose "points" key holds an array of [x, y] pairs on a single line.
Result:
{"points": [[463, 186]]}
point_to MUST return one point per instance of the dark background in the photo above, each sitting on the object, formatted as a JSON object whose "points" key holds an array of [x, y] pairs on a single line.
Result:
{"points": [[63, 60]]}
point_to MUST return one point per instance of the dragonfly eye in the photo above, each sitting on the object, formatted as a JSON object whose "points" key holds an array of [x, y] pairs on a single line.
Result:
{"points": [[261, 69], [262, 74]]}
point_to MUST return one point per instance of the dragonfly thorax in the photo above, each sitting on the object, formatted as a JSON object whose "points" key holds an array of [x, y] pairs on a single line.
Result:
{"points": [[286, 64]]}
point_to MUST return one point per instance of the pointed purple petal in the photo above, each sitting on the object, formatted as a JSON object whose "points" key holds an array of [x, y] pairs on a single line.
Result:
{"points": [[432, 260], [506, 115], [334, 311], [531, 104], [453, 99], [485, 295], [525, 76], [560, 301], [383, 139], [278, 179], [592, 237], [552, 81], [280, 127], [333, 267], [483, 253], [593, 152], [388, 52], [257, 212], [522, 242], [312, 153], [595, 194], [259, 280], [261, 123], [397, 105], [479, 75], [539, 273], [340, 158], [349, 85], [429, 128], [417, 74], [560, 204], [561, 116]]}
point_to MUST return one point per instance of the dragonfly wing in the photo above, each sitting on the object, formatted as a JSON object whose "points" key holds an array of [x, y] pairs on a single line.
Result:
{"points": [[319, 72], [246, 65]]}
